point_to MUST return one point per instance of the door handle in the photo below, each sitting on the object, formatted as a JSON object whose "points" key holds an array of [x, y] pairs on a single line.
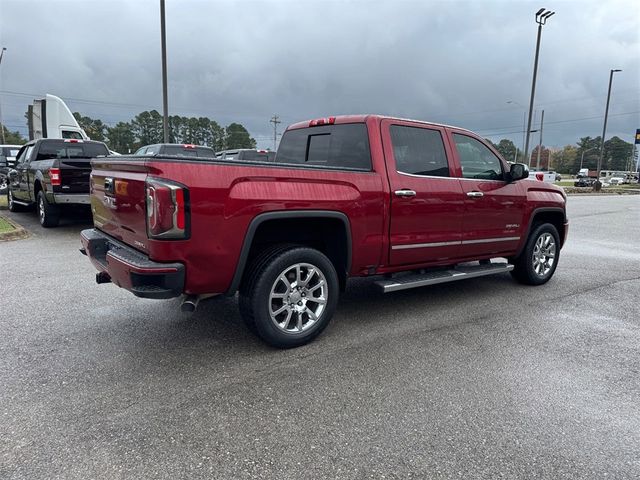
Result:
{"points": [[405, 193], [475, 194]]}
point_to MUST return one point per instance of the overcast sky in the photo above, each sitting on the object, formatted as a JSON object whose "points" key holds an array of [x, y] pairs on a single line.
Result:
{"points": [[242, 61]]}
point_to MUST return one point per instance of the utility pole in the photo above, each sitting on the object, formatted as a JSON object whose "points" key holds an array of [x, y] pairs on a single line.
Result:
{"points": [[542, 16], [4, 49], [275, 120], [540, 143], [165, 102], [598, 185]]}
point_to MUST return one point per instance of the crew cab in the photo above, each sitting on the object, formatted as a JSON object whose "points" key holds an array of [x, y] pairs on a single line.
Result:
{"points": [[52, 174], [406, 202]]}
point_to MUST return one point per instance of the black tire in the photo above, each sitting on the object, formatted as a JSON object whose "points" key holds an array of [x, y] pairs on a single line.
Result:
{"points": [[528, 269], [262, 280], [13, 206], [48, 214]]}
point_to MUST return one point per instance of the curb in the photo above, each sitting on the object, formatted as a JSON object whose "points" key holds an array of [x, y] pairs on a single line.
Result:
{"points": [[17, 234]]}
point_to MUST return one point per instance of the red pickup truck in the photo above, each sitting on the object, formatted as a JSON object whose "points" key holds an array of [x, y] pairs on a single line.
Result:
{"points": [[407, 202]]}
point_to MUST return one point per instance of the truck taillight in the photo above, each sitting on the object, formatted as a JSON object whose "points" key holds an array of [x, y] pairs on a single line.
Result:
{"points": [[167, 210], [54, 176]]}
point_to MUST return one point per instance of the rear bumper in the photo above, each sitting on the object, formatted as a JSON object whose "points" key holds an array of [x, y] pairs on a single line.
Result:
{"points": [[130, 269], [71, 198]]}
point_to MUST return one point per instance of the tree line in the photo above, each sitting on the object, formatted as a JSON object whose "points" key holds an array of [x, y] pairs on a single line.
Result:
{"points": [[618, 155], [147, 128]]}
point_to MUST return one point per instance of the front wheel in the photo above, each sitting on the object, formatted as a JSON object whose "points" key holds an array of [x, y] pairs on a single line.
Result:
{"points": [[290, 297], [48, 214], [13, 206], [539, 259]]}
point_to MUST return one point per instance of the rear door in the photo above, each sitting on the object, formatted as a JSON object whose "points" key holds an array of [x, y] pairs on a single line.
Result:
{"points": [[494, 208], [427, 202]]}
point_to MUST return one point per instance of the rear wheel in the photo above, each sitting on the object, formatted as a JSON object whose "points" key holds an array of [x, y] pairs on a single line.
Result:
{"points": [[48, 214], [539, 259], [289, 296]]}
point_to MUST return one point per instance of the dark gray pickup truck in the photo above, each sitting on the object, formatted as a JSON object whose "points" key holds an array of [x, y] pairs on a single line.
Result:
{"points": [[51, 174]]}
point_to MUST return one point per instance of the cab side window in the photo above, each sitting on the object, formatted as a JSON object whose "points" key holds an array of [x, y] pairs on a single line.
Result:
{"points": [[419, 151], [25, 155], [476, 160]]}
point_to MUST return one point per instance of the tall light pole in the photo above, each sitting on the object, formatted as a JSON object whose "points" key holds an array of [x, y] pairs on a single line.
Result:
{"points": [[165, 102], [598, 185], [4, 49], [542, 16]]}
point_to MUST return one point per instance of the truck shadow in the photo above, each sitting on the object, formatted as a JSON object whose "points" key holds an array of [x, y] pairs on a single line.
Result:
{"points": [[363, 314]]}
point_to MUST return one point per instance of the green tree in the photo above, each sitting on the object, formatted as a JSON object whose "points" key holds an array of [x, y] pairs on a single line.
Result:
{"points": [[617, 153], [120, 138], [507, 149], [147, 128], [563, 160], [237, 136], [12, 138], [94, 128]]}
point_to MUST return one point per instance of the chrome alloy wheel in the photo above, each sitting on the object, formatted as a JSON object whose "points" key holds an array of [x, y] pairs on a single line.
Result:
{"points": [[298, 298], [41, 211], [544, 254]]}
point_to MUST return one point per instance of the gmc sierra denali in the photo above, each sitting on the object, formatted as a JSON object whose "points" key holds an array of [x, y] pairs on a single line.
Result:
{"points": [[409, 203]]}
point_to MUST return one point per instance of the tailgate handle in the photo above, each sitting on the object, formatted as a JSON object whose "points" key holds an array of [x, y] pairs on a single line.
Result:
{"points": [[108, 185]]}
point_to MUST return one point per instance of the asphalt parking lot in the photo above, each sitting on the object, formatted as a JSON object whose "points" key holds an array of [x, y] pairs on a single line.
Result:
{"points": [[480, 379]]}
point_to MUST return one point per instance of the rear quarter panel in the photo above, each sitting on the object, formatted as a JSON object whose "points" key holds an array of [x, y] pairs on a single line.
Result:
{"points": [[225, 198]]}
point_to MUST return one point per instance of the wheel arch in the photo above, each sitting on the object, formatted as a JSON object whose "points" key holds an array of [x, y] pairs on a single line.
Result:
{"points": [[553, 215], [334, 238]]}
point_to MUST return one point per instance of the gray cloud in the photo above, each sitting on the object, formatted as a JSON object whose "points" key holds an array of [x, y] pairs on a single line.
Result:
{"points": [[448, 61]]}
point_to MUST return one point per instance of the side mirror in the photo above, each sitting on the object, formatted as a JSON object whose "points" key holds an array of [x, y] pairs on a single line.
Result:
{"points": [[518, 171], [12, 174]]}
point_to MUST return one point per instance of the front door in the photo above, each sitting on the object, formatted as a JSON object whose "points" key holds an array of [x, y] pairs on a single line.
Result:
{"points": [[20, 186], [494, 208], [427, 202]]}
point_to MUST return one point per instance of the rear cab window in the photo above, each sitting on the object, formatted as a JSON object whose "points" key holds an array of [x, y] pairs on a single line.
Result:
{"points": [[62, 149], [342, 146]]}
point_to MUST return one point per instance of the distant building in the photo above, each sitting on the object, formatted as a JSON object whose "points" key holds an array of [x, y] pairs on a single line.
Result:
{"points": [[545, 154]]}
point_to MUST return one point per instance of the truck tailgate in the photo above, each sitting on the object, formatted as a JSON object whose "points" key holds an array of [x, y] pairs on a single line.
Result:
{"points": [[74, 175], [118, 200]]}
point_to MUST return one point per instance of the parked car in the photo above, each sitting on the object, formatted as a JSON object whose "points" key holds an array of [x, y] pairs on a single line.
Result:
{"points": [[7, 162], [247, 154], [616, 181], [584, 182], [177, 149], [52, 174], [407, 202]]}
